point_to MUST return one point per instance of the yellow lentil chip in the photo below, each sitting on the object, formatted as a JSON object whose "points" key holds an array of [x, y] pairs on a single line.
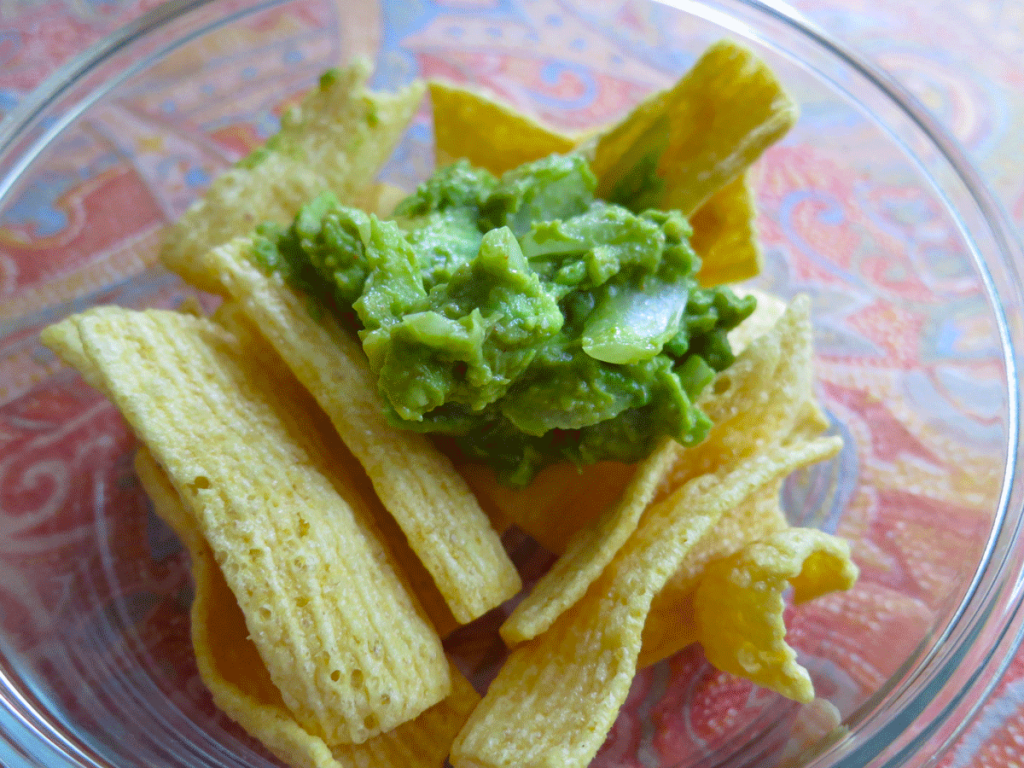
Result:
{"points": [[322, 600], [486, 132], [555, 699], [337, 139], [697, 136], [725, 234], [738, 605], [232, 670], [589, 551], [431, 503]]}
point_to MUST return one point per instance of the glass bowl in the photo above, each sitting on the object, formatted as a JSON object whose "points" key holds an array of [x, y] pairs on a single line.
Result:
{"points": [[865, 206]]}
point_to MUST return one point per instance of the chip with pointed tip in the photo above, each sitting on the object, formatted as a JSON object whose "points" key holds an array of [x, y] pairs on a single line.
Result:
{"points": [[487, 132], [680, 146], [671, 624]]}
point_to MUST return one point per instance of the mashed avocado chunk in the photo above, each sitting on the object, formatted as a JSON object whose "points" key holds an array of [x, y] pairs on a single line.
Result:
{"points": [[521, 317]]}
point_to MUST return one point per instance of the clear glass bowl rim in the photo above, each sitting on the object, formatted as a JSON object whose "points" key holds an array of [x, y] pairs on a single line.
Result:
{"points": [[892, 736]]}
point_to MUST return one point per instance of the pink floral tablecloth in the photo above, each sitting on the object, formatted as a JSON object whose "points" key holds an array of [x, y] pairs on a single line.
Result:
{"points": [[963, 60]]}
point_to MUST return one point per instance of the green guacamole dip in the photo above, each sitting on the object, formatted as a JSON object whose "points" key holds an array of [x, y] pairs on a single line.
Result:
{"points": [[521, 317]]}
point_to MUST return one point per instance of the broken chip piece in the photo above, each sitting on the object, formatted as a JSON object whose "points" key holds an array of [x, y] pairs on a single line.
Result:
{"points": [[738, 604]]}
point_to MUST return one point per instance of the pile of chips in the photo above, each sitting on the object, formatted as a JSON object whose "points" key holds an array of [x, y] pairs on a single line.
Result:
{"points": [[332, 553]]}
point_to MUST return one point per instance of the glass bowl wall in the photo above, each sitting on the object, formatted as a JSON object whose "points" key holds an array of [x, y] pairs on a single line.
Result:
{"points": [[864, 206]]}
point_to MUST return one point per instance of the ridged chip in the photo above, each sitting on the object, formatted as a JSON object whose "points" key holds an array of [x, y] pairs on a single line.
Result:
{"points": [[680, 146], [358, 490], [337, 139], [486, 132], [671, 624], [764, 399], [323, 602], [739, 603], [555, 699], [232, 670], [418, 485]]}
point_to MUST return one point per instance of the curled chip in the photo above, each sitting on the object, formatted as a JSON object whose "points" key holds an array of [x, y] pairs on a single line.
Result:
{"points": [[738, 604], [555, 699], [488, 133], [233, 671], [325, 605], [763, 399], [431, 503], [671, 624], [337, 139], [680, 146]]}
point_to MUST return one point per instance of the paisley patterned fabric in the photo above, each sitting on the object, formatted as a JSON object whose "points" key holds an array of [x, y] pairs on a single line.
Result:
{"points": [[94, 590]]}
